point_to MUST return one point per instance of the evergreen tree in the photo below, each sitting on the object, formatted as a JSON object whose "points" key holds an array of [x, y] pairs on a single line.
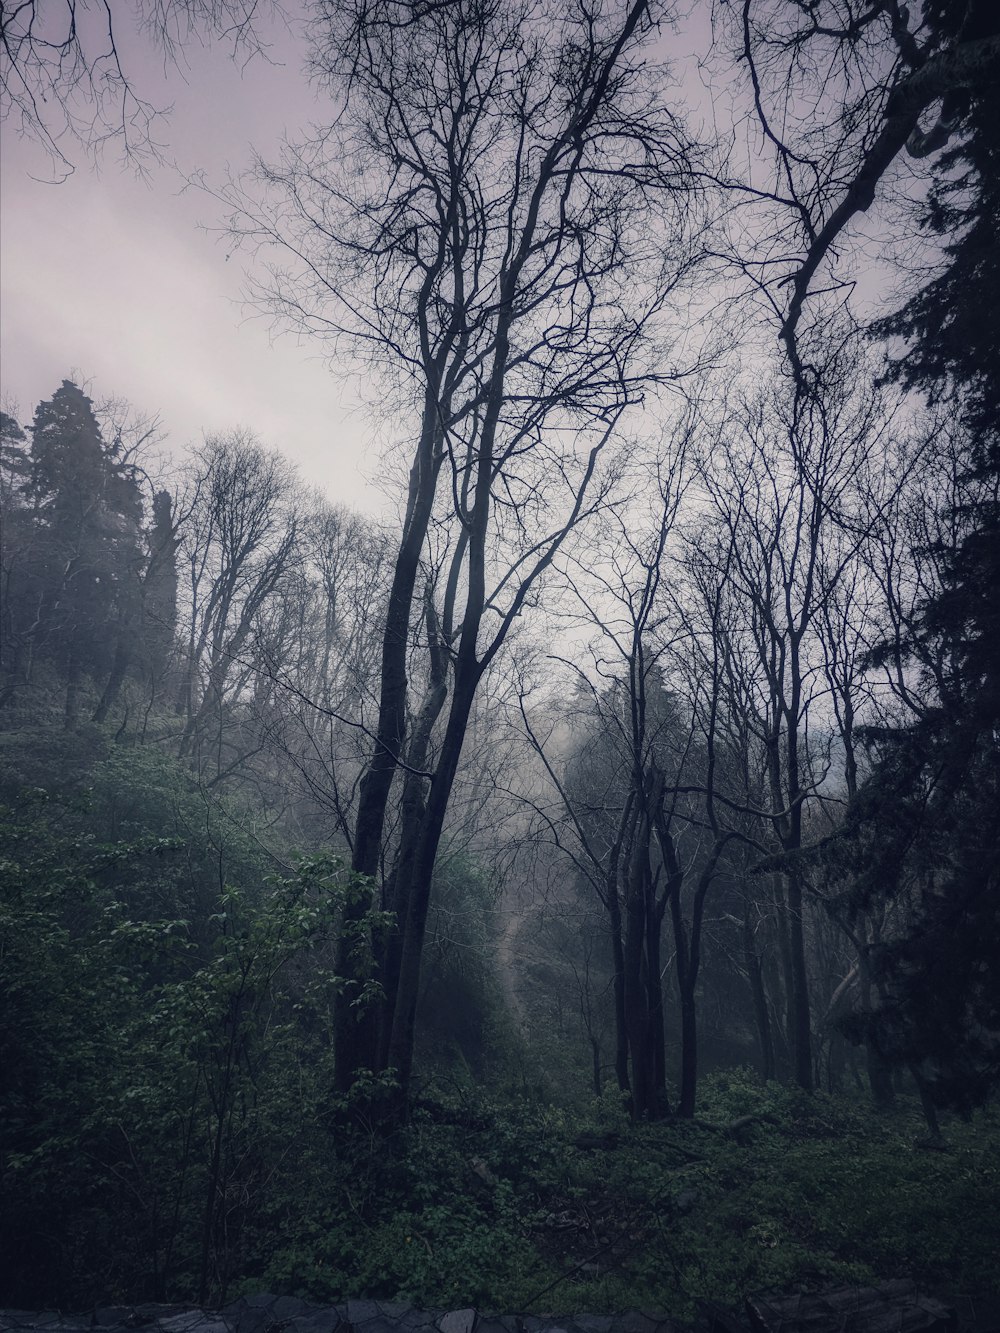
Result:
{"points": [[77, 557], [160, 584], [148, 615], [15, 467], [936, 787], [15, 472]]}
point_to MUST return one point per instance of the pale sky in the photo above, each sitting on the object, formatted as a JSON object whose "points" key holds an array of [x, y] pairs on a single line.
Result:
{"points": [[111, 276], [114, 280]]}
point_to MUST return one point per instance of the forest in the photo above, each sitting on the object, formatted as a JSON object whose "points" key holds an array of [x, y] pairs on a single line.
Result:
{"points": [[577, 887]]}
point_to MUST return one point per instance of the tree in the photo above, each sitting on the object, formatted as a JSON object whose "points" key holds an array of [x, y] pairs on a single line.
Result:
{"points": [[881, 80], [783, 474], [840, 91], [80, 555], [500, 257], [317, 646], [629, 828], [15, 474], [936, 780], [62, 72], [238, 542]]}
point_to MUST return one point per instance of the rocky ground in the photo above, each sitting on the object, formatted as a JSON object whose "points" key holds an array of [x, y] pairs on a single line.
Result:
{"points": [[894, 1307]]}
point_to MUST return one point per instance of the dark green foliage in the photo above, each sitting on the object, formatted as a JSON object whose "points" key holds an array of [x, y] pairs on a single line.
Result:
{"points": [[159, 605], [169, 1130], [462, 1023], [928, 816], [73, 558], [950, 323], [89, 597], [165, 1035], [517, 1206]]}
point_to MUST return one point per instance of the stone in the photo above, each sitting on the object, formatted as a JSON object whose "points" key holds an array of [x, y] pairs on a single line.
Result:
{"points": [[892, 1307], [320, 1321], [181, 1323], [50, 1320], [362, 1312], [633, 1322], [412, 1321], [594, 1323], [288, 1307], [457, 1321], [497, 1324], [242, 1317]]}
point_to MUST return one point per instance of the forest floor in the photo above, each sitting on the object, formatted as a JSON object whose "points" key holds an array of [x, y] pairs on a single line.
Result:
{"points": [[518, 1206]]}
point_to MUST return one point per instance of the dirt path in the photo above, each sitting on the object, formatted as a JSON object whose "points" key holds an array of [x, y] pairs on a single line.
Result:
{"points": [[507, 955]]}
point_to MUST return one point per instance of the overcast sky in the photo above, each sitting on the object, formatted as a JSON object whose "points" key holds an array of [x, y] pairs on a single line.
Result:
{"points": [[110, 277], [115, 279]]}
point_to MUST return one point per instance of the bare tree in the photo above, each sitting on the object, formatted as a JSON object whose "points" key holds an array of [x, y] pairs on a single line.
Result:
{"points": [[238, 541], [318, 647], [780, 476], [487, 219], [841, 90], [63, 74], [646, 745]]}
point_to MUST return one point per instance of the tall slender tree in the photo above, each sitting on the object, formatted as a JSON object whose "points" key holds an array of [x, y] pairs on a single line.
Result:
{"points": [[500, 256], [936, 783]]}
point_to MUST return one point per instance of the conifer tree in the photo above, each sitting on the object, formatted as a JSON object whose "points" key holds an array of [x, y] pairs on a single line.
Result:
{"points": [[936, 785], [15, 472], [78, 556]]}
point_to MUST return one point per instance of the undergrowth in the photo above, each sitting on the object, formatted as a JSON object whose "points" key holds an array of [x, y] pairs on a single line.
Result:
{"points": [[517, 1206]]}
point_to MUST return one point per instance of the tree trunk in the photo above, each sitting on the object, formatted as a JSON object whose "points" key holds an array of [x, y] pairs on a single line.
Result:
{"points": [[927, 1104], [595, 1054], [618, 964], [636, 1013], [758, 996], [879, 1072], [120, 665], [418, 889], [801, 1021], [687, 976], [657, 1026], [413, 810], [689, 1054], [71, 711], [352, 1041]]}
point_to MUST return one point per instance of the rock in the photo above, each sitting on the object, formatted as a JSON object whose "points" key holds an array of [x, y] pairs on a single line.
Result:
{"points": [[413, 1321], [243, 1317], [190, 1320], [892, 1307], [320, 1321], [49, 1320], [458, 1321], [497, 1324]]}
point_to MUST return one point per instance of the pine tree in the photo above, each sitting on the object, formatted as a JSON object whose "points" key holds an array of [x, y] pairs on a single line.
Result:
{"points": [[937, 783], [77, 553], [15, 473], [148, 617]]}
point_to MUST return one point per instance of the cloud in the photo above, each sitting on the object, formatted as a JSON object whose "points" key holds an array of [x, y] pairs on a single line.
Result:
{"points": [[111, 275]]}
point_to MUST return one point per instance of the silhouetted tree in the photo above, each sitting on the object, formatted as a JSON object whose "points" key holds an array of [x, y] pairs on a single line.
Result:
{"points": [[80, 558], [502, 259], [63, 74], [935, 788]]}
